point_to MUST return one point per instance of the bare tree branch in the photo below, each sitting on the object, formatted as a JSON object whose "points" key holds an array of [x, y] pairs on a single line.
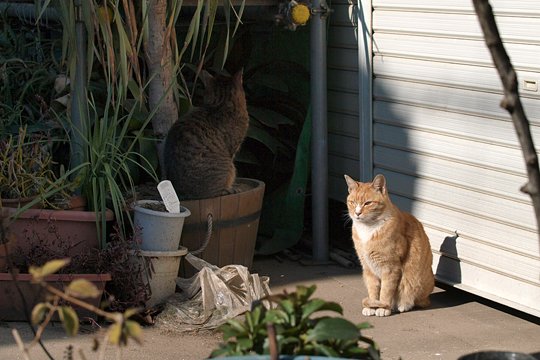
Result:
{"points": [[511, 101]]}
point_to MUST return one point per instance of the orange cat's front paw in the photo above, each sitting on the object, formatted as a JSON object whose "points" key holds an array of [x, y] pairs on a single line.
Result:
{"points": [[368, 311], [382, 312]]}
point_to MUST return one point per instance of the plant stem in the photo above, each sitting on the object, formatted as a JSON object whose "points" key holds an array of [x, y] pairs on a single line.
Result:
{"points": [[272, 342], [44, 323], [20, 344], [81, 303]]}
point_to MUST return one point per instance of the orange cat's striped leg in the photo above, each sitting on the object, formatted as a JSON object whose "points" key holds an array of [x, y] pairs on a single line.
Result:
{"points": [[373, 285], [389, 284]]}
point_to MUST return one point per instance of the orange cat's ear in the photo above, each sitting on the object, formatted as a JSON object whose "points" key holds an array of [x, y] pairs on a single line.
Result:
{"points": [[379, 183], [351, 183]]}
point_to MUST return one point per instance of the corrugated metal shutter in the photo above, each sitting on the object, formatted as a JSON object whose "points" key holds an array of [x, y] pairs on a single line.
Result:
{"points": [[343, 97], [448, 150]]}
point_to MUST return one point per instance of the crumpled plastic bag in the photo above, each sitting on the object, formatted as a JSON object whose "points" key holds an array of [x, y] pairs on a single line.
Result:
{"points": [[211, 297]]}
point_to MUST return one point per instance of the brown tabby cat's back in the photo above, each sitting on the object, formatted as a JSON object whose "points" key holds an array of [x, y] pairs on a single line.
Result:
{"points": [[200, 147], [393, 248]]}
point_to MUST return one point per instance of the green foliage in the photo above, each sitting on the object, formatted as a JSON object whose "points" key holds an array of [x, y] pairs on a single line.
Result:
{"points": [[118, 32], [28, 69], [297, 331], [277, 113]]}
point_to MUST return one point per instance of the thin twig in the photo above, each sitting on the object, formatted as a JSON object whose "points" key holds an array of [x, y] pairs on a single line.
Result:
{"points": [[20, 344]]}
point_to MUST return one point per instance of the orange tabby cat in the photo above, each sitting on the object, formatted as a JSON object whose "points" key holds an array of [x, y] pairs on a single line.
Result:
{"points": [[393, 248]]}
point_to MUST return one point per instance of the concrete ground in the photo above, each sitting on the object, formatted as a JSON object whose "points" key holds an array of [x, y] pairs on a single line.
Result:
{"points": [[457, 323]]}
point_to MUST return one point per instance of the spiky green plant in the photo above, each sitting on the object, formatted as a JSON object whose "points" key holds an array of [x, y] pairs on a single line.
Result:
{"points": [[111, 152]]}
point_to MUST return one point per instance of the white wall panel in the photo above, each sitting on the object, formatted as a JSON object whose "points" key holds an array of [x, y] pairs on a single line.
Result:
{"points": [[507, 7], [465, 199], [491, 182], [468, 101], [448, 49], [452, 148], [454, 25], [450, 74], [500, 130], [471, 226]]}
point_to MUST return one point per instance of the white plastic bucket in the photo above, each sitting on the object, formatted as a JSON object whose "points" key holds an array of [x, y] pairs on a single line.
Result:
{"points": [[162, 273], [158, 230]]}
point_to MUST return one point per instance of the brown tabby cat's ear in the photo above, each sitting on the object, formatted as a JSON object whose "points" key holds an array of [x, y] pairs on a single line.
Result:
{"points": [[351, 183], [237, 78], [379, 183], [206, 78]]}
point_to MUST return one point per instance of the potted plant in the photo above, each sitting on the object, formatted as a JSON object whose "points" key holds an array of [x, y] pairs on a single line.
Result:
{"points": [[289, 329], [223, 229], [19, 294], [111, 270], [40, 196]]}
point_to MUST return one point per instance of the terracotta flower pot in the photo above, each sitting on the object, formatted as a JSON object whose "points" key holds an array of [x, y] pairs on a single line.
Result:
{"points": [[77, 203], [76, 229], [4, 250], [11, 304], [20, 202]]}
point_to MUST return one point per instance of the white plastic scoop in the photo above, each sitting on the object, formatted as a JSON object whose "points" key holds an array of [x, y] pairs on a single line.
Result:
{"points": [[170, 199]]}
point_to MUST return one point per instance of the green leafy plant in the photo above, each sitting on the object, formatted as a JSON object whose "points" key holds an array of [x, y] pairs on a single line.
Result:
{"points": [[297, 331], [29, 67], [277, 115]]}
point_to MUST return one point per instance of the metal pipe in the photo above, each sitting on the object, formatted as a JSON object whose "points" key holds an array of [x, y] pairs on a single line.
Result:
{"points": [[365, 89], [319, 137]]}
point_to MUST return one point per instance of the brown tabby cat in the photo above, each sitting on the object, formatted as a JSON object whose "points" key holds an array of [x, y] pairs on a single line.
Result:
{"points": [[200, 147], [393, 248]]}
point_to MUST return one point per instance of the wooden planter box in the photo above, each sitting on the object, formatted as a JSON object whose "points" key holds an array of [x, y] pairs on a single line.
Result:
{"points": [[12, 307], [235, 222]]}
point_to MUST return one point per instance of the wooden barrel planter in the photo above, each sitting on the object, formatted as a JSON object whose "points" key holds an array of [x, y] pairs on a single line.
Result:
{"points": [[223, 230]]}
